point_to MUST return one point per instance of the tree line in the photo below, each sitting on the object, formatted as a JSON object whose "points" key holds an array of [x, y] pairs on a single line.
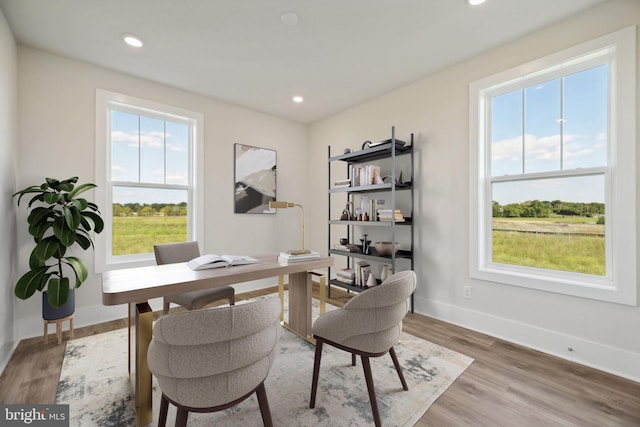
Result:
{"points": [[546, 209], [153, 209]]}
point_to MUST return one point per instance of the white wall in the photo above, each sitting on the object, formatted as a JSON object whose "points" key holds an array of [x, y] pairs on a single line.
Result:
{"points": [[8, 142], [436, 109], [57, 131]]}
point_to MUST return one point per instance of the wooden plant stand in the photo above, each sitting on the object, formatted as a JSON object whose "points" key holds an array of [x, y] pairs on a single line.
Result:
{"points": [[58, 323]]}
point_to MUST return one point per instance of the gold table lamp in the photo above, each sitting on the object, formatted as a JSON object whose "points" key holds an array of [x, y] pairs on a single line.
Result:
{"points": [[283, 205]]}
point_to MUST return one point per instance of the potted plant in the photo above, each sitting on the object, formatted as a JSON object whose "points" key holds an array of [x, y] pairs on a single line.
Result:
{"points": [[58, 220]]}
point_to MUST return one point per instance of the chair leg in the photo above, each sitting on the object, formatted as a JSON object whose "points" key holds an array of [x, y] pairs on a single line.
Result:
{"points": [[164, 408], [353, 359], [372, 392], [392, 352], [232, 299], [165, 305], [181, 417], [316, 372], [264, 406]]}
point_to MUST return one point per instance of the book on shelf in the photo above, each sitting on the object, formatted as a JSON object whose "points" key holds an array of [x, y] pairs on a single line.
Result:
{"points": [[346, 273], [389, 214], [361, 269], [347, 248], [207, 261], [344, 280], [366, 175], [341, 183], [287, 257]]}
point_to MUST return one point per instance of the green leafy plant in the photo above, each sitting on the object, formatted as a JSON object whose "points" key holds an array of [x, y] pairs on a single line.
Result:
{"points": [[58, 220]]}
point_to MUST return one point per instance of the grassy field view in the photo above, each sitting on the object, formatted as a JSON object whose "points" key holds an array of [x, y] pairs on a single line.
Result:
{"points": [[573, 244], [138, 234]]}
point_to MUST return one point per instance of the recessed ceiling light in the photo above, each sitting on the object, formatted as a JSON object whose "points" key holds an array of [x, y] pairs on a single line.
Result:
{"points": [[298, 99], [475, 2], [289, 18], [132, 40]]}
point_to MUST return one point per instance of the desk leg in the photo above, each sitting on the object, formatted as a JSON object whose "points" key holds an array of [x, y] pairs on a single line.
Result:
{"points": [[140, 333], [300, 303], [281, 295]]}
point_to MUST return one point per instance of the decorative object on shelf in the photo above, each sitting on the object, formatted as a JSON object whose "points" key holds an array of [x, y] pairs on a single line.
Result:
{"points": [[255, 179], [400, 179], [59, 220], [387, 142], [365, 244], [346, 213], [364, 206], [386, 248], [389, 179], [366, 145], [344, 241], [385, 273], [347, 150], [371, 281], [283, 205]]}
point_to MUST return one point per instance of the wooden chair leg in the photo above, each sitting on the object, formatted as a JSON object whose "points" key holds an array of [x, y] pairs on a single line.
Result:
{"points": [[181, 417], [372, 392], [232, 299], [353, 359], [392, 352], [316, 372], [165, 306], [264, 406], [164, 408]]}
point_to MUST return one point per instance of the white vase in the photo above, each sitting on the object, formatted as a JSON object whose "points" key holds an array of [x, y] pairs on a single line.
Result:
{"points": [[371, 281]]}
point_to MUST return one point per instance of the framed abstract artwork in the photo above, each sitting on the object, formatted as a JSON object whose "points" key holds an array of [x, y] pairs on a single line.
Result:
{"points": [[255, 179]]}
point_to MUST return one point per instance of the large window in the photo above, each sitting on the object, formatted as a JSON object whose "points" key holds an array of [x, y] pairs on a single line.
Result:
{"points": [[146, 165], [553, 161]]}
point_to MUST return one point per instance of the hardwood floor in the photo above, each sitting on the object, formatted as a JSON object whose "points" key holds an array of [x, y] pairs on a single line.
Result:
{"points": [[507, 385]]}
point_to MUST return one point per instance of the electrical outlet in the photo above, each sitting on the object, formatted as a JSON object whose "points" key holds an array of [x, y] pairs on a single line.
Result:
{"points": [[466, 291]]}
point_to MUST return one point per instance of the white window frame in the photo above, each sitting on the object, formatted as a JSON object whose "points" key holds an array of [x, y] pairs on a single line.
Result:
{"points": [[619, 284], [105, 101]]}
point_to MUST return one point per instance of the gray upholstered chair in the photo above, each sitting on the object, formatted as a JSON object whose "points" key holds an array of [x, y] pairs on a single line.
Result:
{"points": [[172, 253], [368, 325], [212, 359]]}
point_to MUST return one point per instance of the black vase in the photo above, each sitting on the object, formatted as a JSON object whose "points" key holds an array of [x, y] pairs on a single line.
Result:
{"points": [[66, 309]]}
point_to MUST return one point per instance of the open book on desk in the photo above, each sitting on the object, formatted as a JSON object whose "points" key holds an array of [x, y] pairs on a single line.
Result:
{"points": [[204, 262]]}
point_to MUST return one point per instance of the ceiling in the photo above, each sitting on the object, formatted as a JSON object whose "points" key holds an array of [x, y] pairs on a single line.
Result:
{"points": [[341, 52]]}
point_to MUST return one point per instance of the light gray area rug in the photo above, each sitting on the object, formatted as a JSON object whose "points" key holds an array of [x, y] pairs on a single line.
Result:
{"points": [[95, 383]]}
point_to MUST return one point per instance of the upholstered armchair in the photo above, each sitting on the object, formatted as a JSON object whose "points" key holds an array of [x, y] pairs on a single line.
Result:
{"points": [[368, 325], [172, 253], [209, 360]]}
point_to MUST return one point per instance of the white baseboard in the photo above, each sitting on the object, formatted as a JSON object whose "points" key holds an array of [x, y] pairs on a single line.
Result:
{"points": [[609, 359]]}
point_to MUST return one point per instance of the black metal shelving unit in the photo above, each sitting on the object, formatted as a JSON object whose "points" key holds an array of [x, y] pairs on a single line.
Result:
{"points": [[392, 149]]}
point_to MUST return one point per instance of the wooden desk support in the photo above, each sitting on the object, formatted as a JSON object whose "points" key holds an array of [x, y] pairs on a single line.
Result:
{"points": [[135, 286]]}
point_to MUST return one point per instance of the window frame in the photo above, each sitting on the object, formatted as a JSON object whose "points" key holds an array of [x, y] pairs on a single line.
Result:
{"points": [[619, 283], [105, 102]]}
